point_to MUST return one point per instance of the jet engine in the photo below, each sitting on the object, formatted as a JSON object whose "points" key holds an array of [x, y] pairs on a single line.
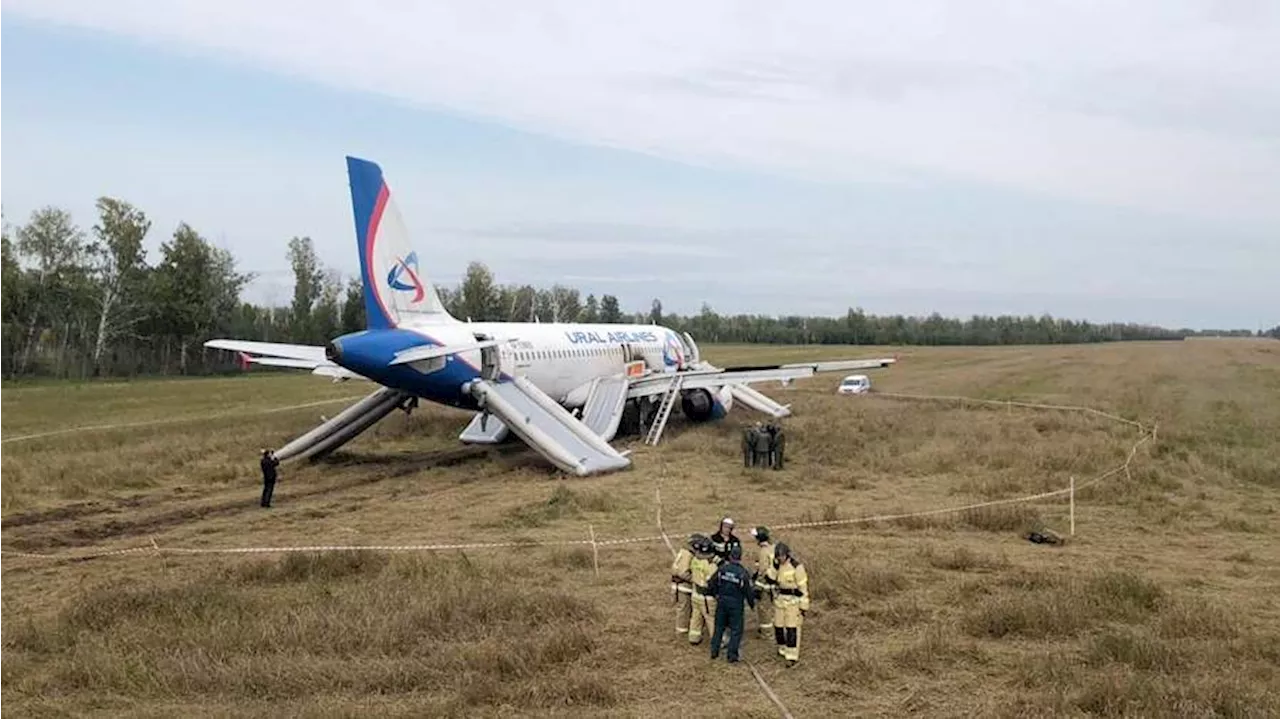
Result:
{"points": [[701, 405]]}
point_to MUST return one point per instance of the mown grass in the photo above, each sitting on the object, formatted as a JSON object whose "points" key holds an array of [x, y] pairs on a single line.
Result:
{"points": [[1161, 605]]}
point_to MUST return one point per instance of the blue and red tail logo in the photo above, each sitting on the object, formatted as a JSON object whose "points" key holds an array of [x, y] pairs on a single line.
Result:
{"points": [[672, 352], [404, 277]]}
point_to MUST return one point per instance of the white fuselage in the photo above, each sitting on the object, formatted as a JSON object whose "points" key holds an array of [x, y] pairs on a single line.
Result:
{"points": [[560, 358]]}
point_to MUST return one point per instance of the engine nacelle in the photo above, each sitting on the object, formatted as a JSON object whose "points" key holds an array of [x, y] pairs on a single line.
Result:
{"points": [[702, 405]]}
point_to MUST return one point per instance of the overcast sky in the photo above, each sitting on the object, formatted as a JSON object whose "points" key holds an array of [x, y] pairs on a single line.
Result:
{"points": [[1109, 161]]}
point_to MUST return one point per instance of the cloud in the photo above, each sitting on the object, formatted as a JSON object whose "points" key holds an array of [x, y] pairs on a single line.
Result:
{"points": [[1164, 105]]}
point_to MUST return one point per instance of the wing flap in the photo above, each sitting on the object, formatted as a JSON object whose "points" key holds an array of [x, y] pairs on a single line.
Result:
{"points": [[844, 365]]}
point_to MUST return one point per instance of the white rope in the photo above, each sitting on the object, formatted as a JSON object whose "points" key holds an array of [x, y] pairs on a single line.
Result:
{"points": [[1014, 403]]}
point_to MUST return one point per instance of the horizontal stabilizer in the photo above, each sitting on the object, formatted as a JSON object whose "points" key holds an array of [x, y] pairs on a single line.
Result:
{"points": [[418, 354], [310, 353]]}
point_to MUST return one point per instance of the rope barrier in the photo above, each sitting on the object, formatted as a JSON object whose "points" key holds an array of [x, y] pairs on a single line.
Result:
{"points": [[662, 536]]}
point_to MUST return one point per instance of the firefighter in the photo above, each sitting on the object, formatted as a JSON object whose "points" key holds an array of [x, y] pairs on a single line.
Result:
{"points": [[724, 540], [682, 583], [731, 586], [759, 578], [703, 610], [790, 601]]}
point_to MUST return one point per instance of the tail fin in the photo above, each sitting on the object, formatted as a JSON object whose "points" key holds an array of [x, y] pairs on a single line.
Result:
{"points": [[395, 287]]}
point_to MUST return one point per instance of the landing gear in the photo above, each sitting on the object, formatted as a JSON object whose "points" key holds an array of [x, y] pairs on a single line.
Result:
{"points": [[636, 416]]}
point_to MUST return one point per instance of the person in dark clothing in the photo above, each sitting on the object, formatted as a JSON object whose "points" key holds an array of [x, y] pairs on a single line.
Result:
{"points": [[764, 446], [749, 445], [268, 464], [731, 585], [779, 445], [724, 540]]}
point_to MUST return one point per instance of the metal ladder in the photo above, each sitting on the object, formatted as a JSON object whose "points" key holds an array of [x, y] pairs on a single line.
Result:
{"points": [[664, 410]]}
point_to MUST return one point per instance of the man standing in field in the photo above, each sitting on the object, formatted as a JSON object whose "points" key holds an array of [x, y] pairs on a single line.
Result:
{"points": [[268, 464], [749, 444], [764, 447], [777, 445], [731, 586]]}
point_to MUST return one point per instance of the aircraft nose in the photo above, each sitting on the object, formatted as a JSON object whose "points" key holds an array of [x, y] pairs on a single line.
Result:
{"points": [[333, 351]]}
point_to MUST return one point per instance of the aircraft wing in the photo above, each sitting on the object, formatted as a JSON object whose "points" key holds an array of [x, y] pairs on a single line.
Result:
{"points": [[695, 379], [712, 377], [820, 366]]}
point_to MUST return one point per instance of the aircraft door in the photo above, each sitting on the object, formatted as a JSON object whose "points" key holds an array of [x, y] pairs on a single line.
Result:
{"points": [[520, 359], [692, 355]]}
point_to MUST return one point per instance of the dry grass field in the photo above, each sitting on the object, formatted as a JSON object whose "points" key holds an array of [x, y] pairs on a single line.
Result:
{"points": [[1163, 604]]}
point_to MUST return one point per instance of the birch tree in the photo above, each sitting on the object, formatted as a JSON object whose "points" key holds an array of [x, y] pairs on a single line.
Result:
{"points": [[119, 270], [56, 246], [308, 283]]}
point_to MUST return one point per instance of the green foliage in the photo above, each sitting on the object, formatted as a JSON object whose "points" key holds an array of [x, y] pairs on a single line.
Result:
{"points": [[353, 316], [74, 308], [591, 310], [55, 292], [477, 298], [308, 286], [120, 271], [609, 310]]}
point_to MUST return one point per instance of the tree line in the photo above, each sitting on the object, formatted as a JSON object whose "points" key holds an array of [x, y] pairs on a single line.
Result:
{"points": [[80, 303]]}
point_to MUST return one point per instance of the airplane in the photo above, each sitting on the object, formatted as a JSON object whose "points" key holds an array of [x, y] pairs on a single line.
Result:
{"points": [[561, 387]]}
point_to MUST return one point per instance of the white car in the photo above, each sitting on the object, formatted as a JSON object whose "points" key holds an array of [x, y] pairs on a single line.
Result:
{"points": [[854, 384]]}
